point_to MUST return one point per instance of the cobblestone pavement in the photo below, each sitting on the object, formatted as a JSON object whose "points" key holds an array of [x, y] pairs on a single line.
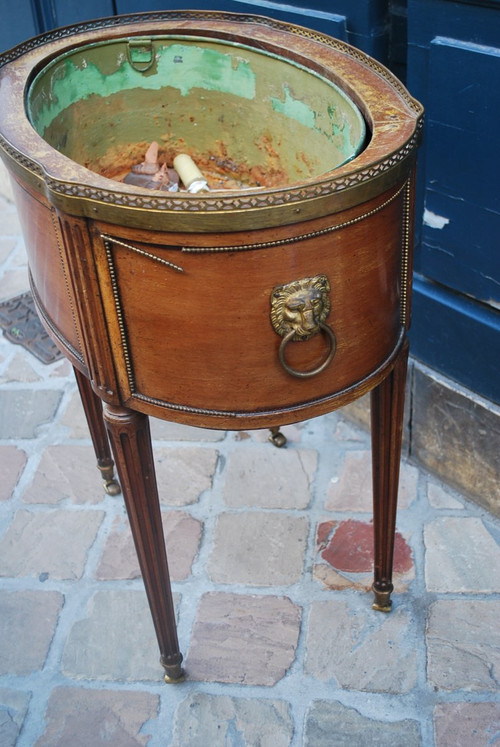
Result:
{"points": [[271, 561]]}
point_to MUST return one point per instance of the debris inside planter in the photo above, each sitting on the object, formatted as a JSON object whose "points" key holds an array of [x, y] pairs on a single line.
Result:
{"points": [[151, 175], [163, 179], [179, 167]]}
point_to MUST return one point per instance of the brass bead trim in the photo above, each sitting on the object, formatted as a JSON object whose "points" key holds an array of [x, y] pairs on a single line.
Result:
{"points": [[293, 239], [405, 254], [119, 314], [108, 241], [143, 253]]}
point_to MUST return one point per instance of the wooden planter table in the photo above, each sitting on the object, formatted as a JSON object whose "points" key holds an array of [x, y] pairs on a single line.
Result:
{"points": [[232, 308]]}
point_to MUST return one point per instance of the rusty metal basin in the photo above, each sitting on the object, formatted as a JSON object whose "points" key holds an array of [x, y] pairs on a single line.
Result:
{"points": [[248, 117]]}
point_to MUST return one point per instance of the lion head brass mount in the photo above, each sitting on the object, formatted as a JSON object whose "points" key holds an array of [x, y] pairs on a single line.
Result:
{"points": [[298, 312]]}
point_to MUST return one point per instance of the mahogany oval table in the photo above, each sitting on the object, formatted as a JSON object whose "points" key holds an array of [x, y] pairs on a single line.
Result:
{"points": [[280, 294]]}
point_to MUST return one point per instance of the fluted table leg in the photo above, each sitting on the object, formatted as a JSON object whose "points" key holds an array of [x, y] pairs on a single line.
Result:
{"points": [[387, 412], [92, 406], [131, 443]]}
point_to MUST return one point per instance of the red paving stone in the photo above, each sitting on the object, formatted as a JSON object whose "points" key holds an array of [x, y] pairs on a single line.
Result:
{"points": [[350, 549], [323, 532]]}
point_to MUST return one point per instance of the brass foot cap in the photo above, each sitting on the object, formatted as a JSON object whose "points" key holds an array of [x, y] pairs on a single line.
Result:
{"points": [[112, 487], [175, 676], [383, 601], [382, 607]]}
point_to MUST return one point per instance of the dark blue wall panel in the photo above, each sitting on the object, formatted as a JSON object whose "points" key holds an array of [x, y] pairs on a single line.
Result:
{"points": [[363, 23], [328, 22], [454, 69], [73, 11], [18, 22], [453, 333], [22, 19], [458, 254], [462, 128]]}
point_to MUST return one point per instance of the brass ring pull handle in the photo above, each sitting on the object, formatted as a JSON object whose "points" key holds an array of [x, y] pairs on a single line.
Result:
{"points": [[304, 374], [298, 312]]}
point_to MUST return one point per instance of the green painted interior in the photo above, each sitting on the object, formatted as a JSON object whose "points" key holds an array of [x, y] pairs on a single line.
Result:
{"points": [[223, 103]]}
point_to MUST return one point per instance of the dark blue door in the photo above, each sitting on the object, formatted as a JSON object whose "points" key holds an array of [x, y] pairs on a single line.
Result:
{"points": [[363, 23], [454, 69]]}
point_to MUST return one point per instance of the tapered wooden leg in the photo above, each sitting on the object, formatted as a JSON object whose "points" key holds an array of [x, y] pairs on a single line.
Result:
{"points": [[92, 406], [131, 443], [387, 411]]}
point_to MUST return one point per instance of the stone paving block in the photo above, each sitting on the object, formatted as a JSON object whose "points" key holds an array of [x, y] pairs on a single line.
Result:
{"points": [[20, 370], [345, 556], [209, 720], [14, 282], [13, 707], [268, 477], [66, 472], [10, 222], [441, 498], [61, 370], [461, 556], [20, 258], [463, 644], [12, 463], [27, 623], [360, 650], [95, 718], [467, 724], [344, 430], [7, 245], [48, 544], [74, 418], [183, 474], [182, 538], [358, 411], [116, 641], [350, 548], [352, 489], [163, 430], [23, 411], [247, 640], [6, 197], [331, 724], [258, 548]]}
